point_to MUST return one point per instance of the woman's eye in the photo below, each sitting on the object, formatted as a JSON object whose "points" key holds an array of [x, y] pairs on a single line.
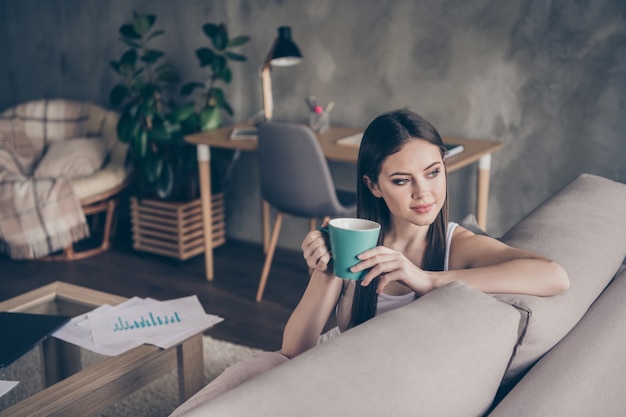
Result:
{"points": [[401, 181], [434, 173]]}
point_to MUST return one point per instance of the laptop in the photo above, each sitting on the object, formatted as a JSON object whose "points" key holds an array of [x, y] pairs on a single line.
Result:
{"points": [[22, 331]]}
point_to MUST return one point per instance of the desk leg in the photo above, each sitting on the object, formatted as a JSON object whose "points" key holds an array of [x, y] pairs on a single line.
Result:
{"points": [[482, 199], [190, 368], [204, 169]]}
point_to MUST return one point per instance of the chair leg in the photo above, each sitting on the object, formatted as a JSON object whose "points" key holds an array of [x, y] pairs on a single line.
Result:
{"points": [[108, 225], [68, 253], [266, 225], [269, 256]]}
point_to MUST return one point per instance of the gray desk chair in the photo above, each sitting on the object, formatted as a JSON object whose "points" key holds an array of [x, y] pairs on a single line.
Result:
{"points": [[295, 180]]}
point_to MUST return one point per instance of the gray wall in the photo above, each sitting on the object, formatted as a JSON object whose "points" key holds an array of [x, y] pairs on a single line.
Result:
{"points": [[547, 78]]}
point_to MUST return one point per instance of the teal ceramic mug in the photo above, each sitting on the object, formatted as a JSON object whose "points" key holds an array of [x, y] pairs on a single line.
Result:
{"points": [[349, 237]]}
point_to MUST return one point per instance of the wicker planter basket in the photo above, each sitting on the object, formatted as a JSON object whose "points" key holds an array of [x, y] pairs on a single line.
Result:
{"points": [[174, 229]]}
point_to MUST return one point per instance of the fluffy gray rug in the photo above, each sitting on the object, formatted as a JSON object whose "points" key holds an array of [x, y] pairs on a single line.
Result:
{"points": [[157, 399]]}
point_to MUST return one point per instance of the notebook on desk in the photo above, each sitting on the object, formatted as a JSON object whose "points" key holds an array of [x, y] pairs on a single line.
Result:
{"points": [[243, 133], [22, 331], [355, 140]]}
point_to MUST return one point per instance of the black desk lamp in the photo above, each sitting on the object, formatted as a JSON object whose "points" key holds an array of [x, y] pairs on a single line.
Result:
{"points": [[283, 53]]}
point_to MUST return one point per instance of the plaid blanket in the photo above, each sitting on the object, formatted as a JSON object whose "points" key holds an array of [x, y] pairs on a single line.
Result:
{"points": [[38, 216]]}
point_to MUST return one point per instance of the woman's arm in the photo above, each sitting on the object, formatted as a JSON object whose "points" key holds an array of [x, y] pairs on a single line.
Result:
{"points": [[320, 297], [311, 314], [494, 267], [479, 261]]}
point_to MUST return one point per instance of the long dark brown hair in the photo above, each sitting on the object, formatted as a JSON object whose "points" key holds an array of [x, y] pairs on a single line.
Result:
{"points": [[386, 135]]}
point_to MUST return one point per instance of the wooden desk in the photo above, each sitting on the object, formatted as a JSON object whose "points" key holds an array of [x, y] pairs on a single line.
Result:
{"points": [[476, 150]]}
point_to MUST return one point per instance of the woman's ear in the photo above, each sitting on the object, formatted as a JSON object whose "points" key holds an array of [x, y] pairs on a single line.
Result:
{"points": [[373, 187]]}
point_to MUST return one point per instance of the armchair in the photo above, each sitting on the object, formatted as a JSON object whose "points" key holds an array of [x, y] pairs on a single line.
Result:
{"points": [[60, 161]]}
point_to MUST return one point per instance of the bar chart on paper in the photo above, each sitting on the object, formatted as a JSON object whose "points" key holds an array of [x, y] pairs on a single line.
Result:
{"points": [[148, 321], [152, 320]]}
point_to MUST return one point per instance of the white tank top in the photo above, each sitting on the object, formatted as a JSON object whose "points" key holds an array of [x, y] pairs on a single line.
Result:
{"points": [[391, 302]]}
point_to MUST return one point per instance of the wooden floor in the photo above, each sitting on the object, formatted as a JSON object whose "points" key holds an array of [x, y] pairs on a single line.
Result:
{"points": [[230, 295]]}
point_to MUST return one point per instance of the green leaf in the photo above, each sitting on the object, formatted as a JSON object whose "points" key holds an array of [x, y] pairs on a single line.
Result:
{"points": [[152, 166], [188, 88], [129, 58], [159, 133], [143, 23], [118, 94], [205, 56], [227, 108], [220, 38], [164, 185], [235, 57], [152, 55], [190, 124], [131, 43], [126, 127], [226, 75], [116, 66], [181, 113], [210, 119], [145, 96], [130, 110], [210, 29], [138, 72], [128, 31], [238, 41], [176, 132], [155, 34], [218, 64], [139, 144]]}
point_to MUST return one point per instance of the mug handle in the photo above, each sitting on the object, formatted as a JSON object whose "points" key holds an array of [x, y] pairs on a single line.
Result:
{"points": [[324, 229]]}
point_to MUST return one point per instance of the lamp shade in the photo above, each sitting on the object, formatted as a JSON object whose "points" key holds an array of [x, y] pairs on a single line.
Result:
{"points": [[285, 52]]}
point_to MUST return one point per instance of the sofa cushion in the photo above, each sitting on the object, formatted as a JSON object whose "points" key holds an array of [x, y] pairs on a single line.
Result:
{"points": [[72, 158], [585, 373], [447, 351], [582, 227]]}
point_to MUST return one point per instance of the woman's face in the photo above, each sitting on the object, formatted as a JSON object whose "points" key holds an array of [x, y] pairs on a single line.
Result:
{"points": [[413, 183]]}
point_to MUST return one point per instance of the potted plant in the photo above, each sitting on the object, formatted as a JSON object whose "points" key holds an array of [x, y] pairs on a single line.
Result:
{"points": [[152, 121]]}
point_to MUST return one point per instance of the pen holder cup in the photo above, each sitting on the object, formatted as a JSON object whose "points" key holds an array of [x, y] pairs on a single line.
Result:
{"points": [[319, 122]]}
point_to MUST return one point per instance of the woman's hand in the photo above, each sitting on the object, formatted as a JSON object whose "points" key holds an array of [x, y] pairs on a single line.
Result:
{"points": [[392, 265], [315, 250]]}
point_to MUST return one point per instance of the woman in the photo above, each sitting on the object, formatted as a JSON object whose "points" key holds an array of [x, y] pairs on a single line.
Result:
{"points": [[402, 185]]}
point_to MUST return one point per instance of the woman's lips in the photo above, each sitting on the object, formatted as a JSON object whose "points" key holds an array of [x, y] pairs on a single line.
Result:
{"points": [[422, 208]]}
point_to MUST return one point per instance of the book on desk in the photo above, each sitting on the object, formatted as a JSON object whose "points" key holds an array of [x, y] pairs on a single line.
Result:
{"points": [[243, 133], [23, 331]]}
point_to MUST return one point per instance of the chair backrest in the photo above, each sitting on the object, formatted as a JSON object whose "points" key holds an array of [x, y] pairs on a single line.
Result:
{"points": [[293, 171]]}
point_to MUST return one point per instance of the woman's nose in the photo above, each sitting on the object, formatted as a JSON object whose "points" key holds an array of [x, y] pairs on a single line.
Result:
{"points": [[419, 192]]}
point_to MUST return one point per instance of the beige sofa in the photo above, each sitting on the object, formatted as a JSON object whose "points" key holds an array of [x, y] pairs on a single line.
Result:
{"points": [[459, 352]]}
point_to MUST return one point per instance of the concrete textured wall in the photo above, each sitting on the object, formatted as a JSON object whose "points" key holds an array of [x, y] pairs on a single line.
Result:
{"points": [[547, 78]]}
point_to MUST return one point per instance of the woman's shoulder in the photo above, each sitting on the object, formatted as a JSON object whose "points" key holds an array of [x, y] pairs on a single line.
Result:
{"points": [[451, 228]]}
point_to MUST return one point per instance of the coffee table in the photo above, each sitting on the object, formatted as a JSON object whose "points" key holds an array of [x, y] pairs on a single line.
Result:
{"points": [[72, 391]]}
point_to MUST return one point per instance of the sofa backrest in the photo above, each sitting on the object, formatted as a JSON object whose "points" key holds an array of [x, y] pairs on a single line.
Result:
{"points": [[583, 228], [585, 373], [443, 355]]}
